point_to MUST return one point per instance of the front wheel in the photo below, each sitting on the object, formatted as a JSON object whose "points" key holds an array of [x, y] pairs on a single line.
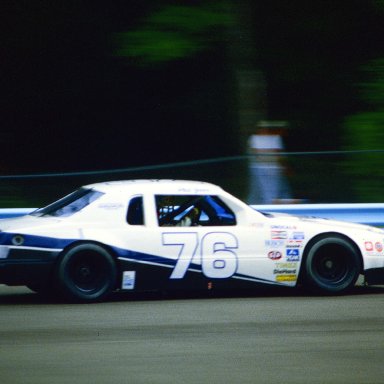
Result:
{"points": [[87, 273], [332, 265]]}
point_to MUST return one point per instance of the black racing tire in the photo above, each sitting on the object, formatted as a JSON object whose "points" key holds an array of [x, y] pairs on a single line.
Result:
{"points": [[86, 273], [332, 265]]}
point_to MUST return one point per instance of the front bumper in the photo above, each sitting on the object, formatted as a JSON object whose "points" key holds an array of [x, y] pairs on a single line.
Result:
{"points": [[374, 276]]}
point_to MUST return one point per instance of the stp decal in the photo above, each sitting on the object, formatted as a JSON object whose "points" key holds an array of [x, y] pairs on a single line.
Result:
{"points": [[274, 255]]}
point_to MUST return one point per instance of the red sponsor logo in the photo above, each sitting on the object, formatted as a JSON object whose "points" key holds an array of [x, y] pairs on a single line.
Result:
{"points": [[274, 255], [379, 247], [368, 246]]}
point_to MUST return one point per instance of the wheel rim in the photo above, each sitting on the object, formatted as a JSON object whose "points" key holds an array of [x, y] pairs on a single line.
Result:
{"points": [[88, 272], [332, 264], [330, 269]]}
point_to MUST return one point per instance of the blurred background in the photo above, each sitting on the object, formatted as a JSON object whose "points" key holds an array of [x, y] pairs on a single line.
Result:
{"points": [[276, 101]]}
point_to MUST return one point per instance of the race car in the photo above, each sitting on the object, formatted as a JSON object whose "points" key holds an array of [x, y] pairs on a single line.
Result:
{"points": [[145, 235]]}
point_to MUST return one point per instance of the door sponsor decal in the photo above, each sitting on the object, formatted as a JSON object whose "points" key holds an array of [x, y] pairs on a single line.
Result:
{"points": [[278, 235], [128, 281], [293, 255], [274, 255]]}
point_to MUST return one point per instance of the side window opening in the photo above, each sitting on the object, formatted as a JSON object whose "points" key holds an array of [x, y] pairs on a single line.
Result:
{"points": [[135, 214], [193, 210], [220, 212]]}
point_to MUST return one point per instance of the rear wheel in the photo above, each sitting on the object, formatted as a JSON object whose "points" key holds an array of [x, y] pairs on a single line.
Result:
{"points": [[332, 265], [86, 272]]}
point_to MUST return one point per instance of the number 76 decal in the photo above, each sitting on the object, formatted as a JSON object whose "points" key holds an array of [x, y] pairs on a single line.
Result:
{"points": [[216, 251]]}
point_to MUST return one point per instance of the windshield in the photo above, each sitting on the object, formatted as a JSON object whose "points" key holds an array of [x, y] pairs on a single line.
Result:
{"points": [[69, 204]]}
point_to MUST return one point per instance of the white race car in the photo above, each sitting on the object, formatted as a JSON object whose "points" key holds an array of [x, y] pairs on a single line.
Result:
{"points": [[141, 235]]}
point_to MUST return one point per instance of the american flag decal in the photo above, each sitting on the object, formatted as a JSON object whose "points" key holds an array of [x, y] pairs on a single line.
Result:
{"points": [[278, 235]]}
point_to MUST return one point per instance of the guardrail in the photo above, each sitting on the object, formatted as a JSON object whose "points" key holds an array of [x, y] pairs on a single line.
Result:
{"points": [[370, 214], [6, 213]]}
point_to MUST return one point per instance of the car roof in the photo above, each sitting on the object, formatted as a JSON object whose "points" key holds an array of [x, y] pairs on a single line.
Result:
{"points": [[159, 186]]}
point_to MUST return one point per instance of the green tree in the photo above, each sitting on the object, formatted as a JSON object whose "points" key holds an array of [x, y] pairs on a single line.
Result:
{"points": [[174, 32], [364, 131]]}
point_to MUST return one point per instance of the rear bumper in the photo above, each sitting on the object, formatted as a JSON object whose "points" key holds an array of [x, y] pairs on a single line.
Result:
{"points": [[25, 273], [26, 266]]}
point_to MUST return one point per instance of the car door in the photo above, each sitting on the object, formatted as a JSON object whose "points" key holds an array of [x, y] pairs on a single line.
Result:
{"points": [[214, 250]]}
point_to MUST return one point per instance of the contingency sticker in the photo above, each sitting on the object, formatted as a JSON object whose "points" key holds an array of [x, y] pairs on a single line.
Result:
{"points": [[128, 281], [3, 252]]}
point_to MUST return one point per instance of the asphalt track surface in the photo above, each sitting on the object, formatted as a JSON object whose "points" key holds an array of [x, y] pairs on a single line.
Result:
{"points": [[267, 337]]}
